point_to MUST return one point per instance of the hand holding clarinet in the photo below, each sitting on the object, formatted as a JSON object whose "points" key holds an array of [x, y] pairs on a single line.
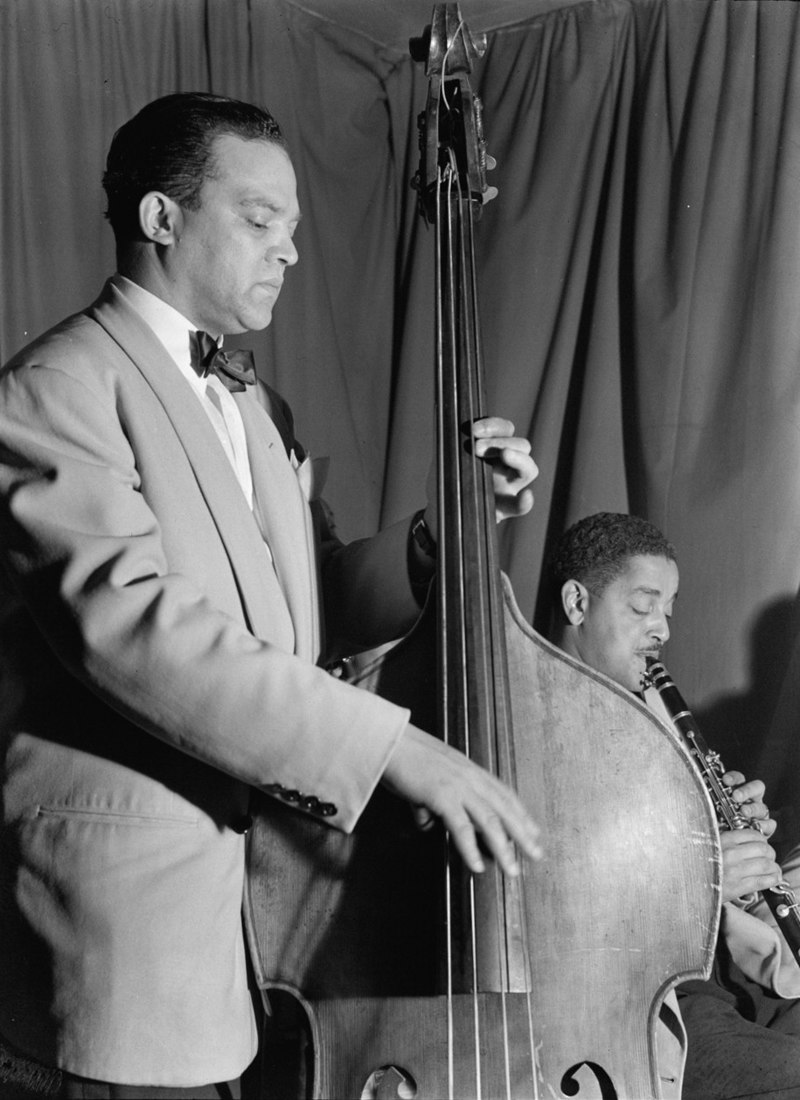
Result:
{"points": [[749, 866]]}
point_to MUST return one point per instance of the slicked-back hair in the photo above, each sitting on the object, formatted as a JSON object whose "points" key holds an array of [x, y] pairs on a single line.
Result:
{"points": [[167, 147], [596, 550]]}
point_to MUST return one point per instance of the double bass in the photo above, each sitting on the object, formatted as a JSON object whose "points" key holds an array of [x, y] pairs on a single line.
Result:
{"points": [[416, 978]]}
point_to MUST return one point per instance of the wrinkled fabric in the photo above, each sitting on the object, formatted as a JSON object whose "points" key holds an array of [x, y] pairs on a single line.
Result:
{"points": [[637, 272]]}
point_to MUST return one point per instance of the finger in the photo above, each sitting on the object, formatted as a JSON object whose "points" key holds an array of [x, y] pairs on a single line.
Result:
{"points": [[732, 779], [739, 845], [751, 869], [756, 815], [749, 792], [469, 800], [733, 838], [495, 840], [755, 807], [745, 888], [520, 505], [423, 818], [462, 834], [500, 845], [762, 880], [492, 426], [754, 810], [741, 876], [495, 448], [512, 468], [502, 818], [489, 827]]}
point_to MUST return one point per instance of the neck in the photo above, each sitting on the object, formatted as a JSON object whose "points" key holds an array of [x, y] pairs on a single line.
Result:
{"points": [[563, 635], [139, 263], [142, 265]]}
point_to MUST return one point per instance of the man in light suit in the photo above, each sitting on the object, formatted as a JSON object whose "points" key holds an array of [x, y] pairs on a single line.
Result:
{"points": [[161, 628], [615, 582]]}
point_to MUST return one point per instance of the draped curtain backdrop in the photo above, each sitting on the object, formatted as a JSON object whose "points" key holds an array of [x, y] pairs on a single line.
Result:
{"points": [[638, 272]]}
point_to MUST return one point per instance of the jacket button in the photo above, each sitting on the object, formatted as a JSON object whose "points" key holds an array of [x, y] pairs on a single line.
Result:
{"points": [[242, 824], [326, 809]]}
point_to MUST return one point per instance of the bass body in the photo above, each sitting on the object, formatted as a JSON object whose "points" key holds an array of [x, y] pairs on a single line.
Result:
{"points": [[623, 906], [419, 979]]}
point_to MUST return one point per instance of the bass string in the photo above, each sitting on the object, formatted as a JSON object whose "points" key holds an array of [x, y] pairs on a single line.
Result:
{"points": [[456, 257]]}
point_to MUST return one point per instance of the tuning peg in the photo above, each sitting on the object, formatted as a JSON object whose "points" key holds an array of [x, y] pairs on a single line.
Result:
{"points": [[420, 45]]}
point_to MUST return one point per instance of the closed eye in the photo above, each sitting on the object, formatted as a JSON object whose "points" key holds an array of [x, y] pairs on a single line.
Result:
{"points": [[267, 225]]}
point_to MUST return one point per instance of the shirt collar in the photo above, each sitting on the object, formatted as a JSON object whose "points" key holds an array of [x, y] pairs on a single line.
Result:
{"points": [[170, 326]]}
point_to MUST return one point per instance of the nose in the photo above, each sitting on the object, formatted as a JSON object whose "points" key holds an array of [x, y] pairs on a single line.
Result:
{"points": [[659, 628], [284, 251]]}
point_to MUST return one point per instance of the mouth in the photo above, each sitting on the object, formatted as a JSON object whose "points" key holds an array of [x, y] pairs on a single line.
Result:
{"points": [[648, 654]]}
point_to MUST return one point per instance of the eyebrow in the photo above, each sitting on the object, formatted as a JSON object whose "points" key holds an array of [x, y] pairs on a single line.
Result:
{"points": [[647, 591], [266, 204]]}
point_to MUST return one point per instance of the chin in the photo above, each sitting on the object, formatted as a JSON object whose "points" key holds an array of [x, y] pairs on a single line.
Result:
{"points": [[257, 321], [627, 678]]}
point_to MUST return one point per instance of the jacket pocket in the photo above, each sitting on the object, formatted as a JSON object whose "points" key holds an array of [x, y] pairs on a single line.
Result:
{"points": [[117, 817]]}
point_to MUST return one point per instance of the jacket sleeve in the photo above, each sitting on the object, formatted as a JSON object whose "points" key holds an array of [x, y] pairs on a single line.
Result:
{"points": [[84, 552], [758, 948], [368, 596]]}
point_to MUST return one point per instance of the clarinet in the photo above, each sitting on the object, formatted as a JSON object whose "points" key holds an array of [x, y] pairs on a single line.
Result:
{"points": [[779, 898]]}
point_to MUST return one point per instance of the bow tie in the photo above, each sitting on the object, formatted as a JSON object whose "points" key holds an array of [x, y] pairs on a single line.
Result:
{"points": [[235, 369]]}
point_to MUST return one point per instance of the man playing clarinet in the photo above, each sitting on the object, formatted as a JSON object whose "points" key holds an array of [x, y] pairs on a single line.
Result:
{"points": [[615, 579]]}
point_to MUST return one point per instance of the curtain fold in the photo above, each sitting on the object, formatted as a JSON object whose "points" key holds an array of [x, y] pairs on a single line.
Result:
{"points": [[638, 271]]}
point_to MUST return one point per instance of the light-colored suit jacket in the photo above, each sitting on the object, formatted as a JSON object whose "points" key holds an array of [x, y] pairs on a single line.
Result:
{"points": [[155, 665]]}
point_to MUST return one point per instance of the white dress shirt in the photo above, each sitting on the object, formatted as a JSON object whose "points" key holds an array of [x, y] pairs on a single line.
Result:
{"points": [[173, 330]]}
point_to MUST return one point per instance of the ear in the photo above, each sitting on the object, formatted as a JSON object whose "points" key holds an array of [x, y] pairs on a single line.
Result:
{"points": [[574, 600], [160, 218]]}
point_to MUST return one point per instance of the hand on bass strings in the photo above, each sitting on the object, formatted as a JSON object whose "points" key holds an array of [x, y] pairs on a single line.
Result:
{"points": [[472, 804], [513, 469]]}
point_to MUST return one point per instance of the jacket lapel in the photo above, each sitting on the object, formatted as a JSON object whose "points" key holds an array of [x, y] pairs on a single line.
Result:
{"points": [[286, 521], [234, 521]]}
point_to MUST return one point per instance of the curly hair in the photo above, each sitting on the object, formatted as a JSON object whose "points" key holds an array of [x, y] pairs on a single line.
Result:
{"points": [[596, 550], [167, 147]]}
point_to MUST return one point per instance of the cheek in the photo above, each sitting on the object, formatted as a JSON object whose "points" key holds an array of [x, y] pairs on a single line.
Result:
{"points": [[620, 647], [603, 652]]}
